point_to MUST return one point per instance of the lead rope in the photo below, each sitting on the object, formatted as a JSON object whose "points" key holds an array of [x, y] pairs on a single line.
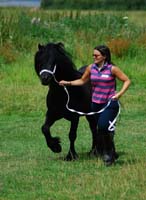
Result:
{"points": [[82, 113], [111, 123]]}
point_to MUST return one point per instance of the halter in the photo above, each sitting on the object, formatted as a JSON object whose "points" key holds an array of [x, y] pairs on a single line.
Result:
{"points": [[111, 124], [48, 71]]}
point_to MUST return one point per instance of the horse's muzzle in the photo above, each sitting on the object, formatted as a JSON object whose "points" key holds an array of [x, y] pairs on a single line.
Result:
{"points": [[45, 78]]}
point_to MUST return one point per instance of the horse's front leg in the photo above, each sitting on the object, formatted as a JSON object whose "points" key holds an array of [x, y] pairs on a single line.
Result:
{"points": [[72, 155], [52, 142]]}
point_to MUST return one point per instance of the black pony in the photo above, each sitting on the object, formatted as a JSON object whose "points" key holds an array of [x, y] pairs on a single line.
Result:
{"points": [[52, 64]]}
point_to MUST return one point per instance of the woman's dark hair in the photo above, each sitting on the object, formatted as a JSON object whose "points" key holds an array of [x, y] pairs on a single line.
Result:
{"points": [[105, 51]]}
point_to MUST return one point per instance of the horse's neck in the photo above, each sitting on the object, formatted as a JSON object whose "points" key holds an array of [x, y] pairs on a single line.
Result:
{"points": [[67, 74], [54, 85]]}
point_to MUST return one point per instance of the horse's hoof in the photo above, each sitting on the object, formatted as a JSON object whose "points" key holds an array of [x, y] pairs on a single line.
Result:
{"points": [[54, 145], [71, 157], [94, 153], [56, 149], [116, 155]]}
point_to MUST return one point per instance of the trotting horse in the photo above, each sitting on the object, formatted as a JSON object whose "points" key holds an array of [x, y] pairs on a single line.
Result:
{"points": [[52, 64]]}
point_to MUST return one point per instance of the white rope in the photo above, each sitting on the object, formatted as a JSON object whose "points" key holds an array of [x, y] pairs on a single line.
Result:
{"points": [[48, 71], [82, 113], [111, 124]]}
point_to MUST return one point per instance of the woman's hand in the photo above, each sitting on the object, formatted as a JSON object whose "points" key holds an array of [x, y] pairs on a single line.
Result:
{"points": [[78, 82], [122, 77], [65, 83], [116, 96]]}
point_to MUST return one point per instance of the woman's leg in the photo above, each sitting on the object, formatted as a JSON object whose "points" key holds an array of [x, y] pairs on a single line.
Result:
{"points": [[106, 129], [99, 140]]}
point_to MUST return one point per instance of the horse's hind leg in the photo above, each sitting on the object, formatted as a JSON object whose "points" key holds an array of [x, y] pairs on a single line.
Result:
{"points": [[95, 139], [72, 155], [52, 142]]}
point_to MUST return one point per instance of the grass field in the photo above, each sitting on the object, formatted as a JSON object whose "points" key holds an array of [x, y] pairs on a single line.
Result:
{"points": [[30, 171]]}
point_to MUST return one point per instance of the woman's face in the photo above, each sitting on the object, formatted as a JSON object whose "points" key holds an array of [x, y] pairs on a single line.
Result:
{"points": [[98, 57]]}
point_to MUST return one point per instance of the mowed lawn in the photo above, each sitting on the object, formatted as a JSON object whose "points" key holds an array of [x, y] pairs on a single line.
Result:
{"points": [[30, 171]]}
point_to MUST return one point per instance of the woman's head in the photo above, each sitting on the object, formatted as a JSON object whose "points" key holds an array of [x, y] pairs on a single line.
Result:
{"points": [[105, 52]]}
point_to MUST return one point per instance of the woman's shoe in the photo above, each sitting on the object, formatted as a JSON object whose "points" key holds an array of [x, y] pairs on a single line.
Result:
{"points": [[108, 159]]}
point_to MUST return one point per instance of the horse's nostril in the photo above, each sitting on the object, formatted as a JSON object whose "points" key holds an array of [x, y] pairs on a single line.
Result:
{"points": [[45, 79], [44, 83], [44, 76]]}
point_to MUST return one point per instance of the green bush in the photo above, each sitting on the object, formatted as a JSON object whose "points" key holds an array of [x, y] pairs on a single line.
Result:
{"points": [[95, 4], [23, 30]]}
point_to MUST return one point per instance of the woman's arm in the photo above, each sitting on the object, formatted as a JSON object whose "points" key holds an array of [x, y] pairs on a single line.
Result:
{"points": [[78, 82], [122, 77]]}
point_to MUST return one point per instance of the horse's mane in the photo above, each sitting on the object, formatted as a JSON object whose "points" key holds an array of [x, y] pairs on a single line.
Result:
{"points": [[62, 57], [63, 54]]}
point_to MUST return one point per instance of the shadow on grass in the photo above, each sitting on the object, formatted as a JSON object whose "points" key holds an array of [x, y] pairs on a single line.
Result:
{"points": [[122, 160]]}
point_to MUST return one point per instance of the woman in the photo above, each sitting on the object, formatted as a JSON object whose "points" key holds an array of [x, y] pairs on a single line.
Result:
{"points": [[102, 74]]}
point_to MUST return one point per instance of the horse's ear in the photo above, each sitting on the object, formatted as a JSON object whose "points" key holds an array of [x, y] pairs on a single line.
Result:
{"points": [[60, 44], [40, 46]]}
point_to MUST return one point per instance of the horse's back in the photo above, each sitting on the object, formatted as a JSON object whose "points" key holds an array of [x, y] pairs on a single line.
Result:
{"points": [[82, 69]]}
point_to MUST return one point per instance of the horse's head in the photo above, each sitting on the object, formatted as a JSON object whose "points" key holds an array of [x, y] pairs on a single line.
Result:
{"points": [[46, 59], [52, 60]]}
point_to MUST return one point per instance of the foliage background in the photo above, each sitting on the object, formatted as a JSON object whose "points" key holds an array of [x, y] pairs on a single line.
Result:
{"points": [[95, 4]]}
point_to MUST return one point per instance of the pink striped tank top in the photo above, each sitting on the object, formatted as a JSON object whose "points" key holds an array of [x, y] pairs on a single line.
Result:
{"points": [[103, 83]]}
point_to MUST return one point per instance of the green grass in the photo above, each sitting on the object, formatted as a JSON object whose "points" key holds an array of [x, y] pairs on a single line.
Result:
{"points": [[30, 171]]}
